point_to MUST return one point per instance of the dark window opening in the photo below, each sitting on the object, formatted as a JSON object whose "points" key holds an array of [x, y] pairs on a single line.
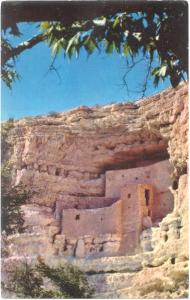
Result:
{"points": [[24, 166], [101, 219], [65, 248], [175, 185], [129, 195], [136, 178], [58, 172], [149, 212], [147, 196], [77, 217], [173, 260], [111, 147], [165, 238], [101, 249]]}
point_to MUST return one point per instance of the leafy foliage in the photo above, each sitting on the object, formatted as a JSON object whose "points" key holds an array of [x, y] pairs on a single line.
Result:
{"points": [[12, 197], [5, 128], [8, 72], [151, 33], [66, 282], [11, 200], [24, 282], [70, 281]]}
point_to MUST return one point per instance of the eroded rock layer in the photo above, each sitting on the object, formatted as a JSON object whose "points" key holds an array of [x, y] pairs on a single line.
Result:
{"points": [[67, 160]]}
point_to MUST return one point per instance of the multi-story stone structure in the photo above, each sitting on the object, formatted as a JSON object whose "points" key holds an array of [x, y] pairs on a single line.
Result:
{"points": [[139, 198]]}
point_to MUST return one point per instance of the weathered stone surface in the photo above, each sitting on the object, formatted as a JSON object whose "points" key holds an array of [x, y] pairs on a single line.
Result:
{"points": [[80, 249], [106, 139], [64, 161], [147, 223]]}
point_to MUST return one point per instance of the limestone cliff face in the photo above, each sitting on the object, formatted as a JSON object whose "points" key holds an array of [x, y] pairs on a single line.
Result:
{"points": [[63, 160], [70, 153]]}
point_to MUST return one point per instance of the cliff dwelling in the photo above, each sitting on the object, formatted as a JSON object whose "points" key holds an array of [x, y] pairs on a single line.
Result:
{"points": [[137, 199], [108, 191], [101, 178]]}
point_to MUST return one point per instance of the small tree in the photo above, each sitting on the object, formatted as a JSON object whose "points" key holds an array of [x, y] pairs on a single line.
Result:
{"points": [[11, 200], [28, 282], [70, 281], [12, 197], [24, 282]]}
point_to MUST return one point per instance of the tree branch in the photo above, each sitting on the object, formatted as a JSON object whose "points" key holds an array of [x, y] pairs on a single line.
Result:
{"points": [[146, 78], [129, 69], [70, 11], [13, 52]]}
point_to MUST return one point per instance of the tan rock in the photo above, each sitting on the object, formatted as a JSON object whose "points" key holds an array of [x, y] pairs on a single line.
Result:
{"points": [[80, 249], [66, 163], [147, 223]]}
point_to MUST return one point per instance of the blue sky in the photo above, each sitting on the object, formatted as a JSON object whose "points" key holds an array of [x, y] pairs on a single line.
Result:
{"points": [[84, 81]]}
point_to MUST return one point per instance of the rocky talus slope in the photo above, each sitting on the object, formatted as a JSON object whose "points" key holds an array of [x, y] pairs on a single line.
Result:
{"points": [[62, 159]]}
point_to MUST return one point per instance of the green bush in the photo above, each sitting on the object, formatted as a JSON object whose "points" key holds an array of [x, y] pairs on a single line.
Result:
{"points": [[12, 220], [67, 281], [12, 197], [5, 128], [24, 282], [53, 114]]}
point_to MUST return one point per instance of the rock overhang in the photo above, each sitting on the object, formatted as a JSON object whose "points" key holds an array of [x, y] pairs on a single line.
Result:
{"points": [[65, 160]]}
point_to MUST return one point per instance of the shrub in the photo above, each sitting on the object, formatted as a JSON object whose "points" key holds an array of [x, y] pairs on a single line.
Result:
{"points": [[5, 128], [69, 279], [156, 285], [12, 197], [180, 277], [68, 282], [11, 215], [54, 114], [24, 282]]}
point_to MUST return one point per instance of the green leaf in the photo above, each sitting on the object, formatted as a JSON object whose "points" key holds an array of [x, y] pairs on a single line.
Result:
{"points": [[89, 44], [51, 39], [44, 25], [73, 41], [137, 35], [155, 71], [133, 44], [163, 70], [77, 49], [126, 49], [55, 48], [63, 43], [71, 51], [160, 71], [116, 22], [100, 21], [110, 47]]}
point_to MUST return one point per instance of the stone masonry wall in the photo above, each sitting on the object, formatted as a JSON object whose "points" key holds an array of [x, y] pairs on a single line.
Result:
{"points": [[157, 174], [79, 222]]}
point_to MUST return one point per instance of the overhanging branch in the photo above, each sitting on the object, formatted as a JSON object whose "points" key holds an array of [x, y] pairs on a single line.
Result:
{"points": [[13, 52], [69, 11]]}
